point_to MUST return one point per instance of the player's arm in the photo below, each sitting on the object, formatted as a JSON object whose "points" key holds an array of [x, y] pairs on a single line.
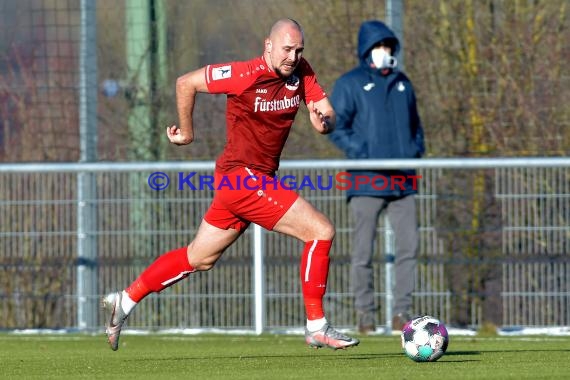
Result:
{"points": [[187, 86], [322, 116]]}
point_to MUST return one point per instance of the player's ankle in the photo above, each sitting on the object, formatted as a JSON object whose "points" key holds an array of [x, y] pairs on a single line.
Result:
{"points": [[127, 304], [316, 324]]}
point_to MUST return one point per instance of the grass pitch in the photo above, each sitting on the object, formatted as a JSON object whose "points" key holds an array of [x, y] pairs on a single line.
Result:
{"points": [[275, 357]]}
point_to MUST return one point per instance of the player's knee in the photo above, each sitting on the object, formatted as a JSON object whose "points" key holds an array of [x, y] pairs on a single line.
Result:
{"points": [[325, 231], [203, 264]]}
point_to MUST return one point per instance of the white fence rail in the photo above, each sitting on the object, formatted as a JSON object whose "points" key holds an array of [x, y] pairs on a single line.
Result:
{"points": [[495, 242]]}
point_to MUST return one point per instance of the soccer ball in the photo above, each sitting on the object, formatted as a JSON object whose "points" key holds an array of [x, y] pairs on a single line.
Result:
{"points": [[424, 339]]}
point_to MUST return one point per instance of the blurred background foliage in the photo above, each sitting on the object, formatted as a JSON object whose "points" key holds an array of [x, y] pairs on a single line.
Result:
{"points": [[491, 75]]}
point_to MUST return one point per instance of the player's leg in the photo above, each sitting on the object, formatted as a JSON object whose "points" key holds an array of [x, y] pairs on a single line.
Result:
{"points": [[403, 218], [365, 212], [306, 223], [266, 202], [169, 268]]}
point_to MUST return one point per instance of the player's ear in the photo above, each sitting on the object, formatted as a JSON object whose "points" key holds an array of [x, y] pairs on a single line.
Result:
{"points": [[268, 45]]}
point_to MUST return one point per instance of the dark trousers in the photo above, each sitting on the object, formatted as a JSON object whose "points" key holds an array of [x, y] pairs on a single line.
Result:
{"points": [[404, 223]]}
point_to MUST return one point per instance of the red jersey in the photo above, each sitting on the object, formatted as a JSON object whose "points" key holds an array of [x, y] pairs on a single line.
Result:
{"points": [[261, 107]]}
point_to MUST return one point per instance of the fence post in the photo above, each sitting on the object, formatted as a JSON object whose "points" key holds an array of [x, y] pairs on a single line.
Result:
{"points": [[86, 285], [259, 278], [389, 253], [394, 19]]}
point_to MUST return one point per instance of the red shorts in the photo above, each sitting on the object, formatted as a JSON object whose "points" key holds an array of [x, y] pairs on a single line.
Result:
{"points": [[246, 196]]}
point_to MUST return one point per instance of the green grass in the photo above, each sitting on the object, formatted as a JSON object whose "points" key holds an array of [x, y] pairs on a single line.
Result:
{"points": [[272, 357]]}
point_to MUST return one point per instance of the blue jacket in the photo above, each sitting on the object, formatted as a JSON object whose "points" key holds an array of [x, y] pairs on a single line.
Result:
{"points": [[377, 117]]}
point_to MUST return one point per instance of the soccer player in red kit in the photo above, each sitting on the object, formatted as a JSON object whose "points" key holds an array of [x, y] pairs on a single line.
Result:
{"points": [[263, 97]]}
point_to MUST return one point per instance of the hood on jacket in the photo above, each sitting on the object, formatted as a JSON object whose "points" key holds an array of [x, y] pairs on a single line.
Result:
{"points": [[371, 33]]}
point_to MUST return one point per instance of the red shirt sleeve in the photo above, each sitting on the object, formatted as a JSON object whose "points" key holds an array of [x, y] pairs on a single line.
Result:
{"points": [[229, 78], [313, 90]]}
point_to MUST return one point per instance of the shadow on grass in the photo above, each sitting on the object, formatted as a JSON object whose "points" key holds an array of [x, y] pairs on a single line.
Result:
{"points": [[265, 356], [449, 357], [479, 352]]}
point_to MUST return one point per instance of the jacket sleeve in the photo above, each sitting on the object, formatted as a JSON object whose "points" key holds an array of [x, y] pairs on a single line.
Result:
{"points": [[344, 136], [417, 127]]}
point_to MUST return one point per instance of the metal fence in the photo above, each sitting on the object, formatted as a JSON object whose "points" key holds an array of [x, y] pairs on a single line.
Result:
{"points": [[495, 239]]}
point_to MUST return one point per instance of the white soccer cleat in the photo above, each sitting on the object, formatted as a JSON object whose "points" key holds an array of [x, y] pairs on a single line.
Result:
{"points": [[327, 336], [115, 318]]}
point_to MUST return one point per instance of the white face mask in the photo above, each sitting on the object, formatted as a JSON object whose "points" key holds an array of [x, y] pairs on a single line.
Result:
{"points": [[383, 60]]}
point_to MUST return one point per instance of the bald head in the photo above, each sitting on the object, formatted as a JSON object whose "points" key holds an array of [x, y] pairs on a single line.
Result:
{"points": [[284, 46], [285, 25]]}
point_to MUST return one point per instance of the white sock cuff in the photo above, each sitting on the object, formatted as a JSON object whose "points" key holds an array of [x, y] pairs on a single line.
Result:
{"points": [[316, 324], [127, 304]]}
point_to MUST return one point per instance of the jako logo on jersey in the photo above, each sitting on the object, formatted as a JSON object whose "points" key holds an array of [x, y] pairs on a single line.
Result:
{"points": [[222, 72], [292, 83], [368, 86], [261, 91], [263, 105]]}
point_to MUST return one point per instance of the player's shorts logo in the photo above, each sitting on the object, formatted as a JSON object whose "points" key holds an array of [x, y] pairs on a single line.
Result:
{"points": [[292, 83]]}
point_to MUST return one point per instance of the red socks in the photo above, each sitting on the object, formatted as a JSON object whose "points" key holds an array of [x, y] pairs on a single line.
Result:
{"points": [[173, 266], [165, 271], [314, 274]]}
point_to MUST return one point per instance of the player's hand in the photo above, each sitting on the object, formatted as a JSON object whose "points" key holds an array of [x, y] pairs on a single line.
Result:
{"points": [[175, 136], [318, 119]]}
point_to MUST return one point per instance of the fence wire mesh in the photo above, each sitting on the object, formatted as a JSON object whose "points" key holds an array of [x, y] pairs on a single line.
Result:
{"points": [[509, 268], [489, 76]]}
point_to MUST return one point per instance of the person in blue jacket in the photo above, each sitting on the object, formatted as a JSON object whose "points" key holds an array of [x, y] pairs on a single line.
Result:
{"points": [[377, 118]]}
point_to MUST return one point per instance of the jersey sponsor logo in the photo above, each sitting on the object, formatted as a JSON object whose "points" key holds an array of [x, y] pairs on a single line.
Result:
{"points": [[222, 72], [263, 105], [292, 83]]}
